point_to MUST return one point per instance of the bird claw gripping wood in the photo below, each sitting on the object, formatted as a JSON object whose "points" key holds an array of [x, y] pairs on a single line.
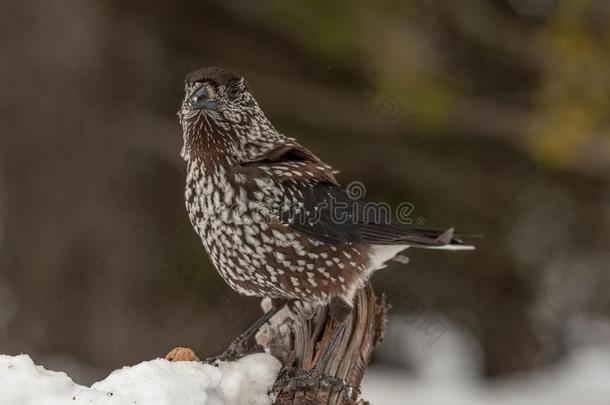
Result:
{"points": [[238, 348], [295, 379]]}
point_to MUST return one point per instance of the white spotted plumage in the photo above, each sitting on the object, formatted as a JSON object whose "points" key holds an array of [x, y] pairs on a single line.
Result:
{"points": [[243, 176]]}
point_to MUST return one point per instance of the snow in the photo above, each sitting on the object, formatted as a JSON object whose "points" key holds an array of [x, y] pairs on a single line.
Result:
{"points": [[448, 371], [439, 371], [584, 378], [158, 382]]}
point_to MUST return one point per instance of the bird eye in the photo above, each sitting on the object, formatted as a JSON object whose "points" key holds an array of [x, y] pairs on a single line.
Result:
{"points": [[233, 92]]}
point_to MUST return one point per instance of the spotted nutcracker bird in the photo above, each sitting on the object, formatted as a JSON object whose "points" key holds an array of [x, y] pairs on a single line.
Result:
{"points": [[265, 207]]}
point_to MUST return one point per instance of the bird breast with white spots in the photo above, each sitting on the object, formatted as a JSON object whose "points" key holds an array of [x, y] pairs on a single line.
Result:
{"points": [[235, 217]]}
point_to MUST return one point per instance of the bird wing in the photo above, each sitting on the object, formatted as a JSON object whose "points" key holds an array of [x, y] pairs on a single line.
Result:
{"points": [[333, 214], [314, 204], [288, 161]]}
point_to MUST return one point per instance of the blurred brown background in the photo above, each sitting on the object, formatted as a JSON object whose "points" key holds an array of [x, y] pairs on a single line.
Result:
{"points": [[490, 116]]}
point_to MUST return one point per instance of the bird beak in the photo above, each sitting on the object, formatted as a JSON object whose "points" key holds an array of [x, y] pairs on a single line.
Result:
{"points": [[205, 105]]}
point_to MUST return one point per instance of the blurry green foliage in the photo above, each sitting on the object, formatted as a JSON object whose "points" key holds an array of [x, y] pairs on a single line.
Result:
{"points": [[411, 48], [574, 93]]}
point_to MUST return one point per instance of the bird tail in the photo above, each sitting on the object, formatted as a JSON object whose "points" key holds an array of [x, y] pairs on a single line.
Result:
{"points": [[445, 240]]}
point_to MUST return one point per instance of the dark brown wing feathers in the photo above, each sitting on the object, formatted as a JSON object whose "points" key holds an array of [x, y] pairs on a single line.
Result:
{"points": [[325, 211]]}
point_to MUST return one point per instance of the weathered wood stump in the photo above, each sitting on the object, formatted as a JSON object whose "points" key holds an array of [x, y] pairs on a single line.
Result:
{"points": [[298, 335]]}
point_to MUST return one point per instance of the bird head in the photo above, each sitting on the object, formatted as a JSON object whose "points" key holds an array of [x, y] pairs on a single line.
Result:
{"points": [[214, 89], [219, 115]]}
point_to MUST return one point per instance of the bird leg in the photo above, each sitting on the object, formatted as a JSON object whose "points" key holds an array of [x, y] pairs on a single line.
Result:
{"points": [[340, 310], [243, 344]]}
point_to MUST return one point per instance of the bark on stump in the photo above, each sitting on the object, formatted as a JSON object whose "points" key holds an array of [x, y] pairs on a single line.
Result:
{"points": [[298, 335]]}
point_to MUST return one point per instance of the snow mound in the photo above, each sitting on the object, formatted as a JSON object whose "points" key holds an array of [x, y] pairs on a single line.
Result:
{"points": [[155, 382]]}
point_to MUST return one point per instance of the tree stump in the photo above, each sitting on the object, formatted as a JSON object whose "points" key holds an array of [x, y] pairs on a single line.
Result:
{"points": [[298, 335]]}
